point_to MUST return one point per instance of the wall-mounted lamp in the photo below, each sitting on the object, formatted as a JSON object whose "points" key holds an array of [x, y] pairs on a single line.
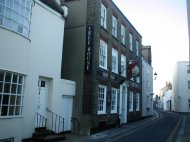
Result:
{"points": [[155, 75]]}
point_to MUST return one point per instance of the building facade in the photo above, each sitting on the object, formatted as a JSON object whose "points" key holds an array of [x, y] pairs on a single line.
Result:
{"points": [[147, 82], [181, 87], [100, 45], [32, 33]]}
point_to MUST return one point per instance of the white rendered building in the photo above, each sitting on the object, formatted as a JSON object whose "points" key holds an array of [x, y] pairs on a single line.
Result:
{"points": [[31, 44], [181, 87], [147, 89]]}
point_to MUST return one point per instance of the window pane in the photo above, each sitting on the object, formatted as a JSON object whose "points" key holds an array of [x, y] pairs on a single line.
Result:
{"points": [[1, 76], [2, 1], [15, 78], [19, 89], [4, 110], [17, 111], [20, 81], [18, 100], [0, 98], [12, 100], [6, 88], [5, 99], [8, 77], [11, 110], [13, 89], [16, 6]]}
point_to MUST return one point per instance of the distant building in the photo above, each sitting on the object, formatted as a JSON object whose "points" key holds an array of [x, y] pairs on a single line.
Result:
{"points": [[31, 38], [100, 44], [165, 95], [181, 87]]}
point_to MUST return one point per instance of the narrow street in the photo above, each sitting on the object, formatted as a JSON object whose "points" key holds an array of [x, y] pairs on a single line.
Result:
{"points": [[159, 131]]}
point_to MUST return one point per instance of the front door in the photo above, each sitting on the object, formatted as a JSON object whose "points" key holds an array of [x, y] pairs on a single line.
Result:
{"points": [[42, 97]]}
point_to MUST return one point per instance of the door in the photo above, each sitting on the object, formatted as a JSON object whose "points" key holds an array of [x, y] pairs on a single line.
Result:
{"points": [[67, 107], [42, 97]]}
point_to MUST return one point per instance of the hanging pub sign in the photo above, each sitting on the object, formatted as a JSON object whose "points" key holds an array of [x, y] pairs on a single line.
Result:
{"points": [[89, 46], [133, 70]]}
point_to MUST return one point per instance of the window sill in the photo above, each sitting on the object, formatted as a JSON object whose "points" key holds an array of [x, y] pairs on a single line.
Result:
{"points": [[11, 117]]}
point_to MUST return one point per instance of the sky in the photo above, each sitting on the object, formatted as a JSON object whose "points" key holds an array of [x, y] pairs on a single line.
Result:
{"points": [[163, 25]]}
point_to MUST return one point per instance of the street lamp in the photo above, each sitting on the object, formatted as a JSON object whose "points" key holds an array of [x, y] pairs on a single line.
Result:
{"points": [[155, 75]]}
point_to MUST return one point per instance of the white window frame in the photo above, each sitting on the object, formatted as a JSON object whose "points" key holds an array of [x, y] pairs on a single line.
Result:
{"points": [[114, 26], [103, 54], [103, 16], [137, 101], [11, 94], [130, 41], [114, 100], [137, 48], [130, 101], [188, 85], [16, 16], [114, 60], [123, 65], [122, 34], [102, 97]]}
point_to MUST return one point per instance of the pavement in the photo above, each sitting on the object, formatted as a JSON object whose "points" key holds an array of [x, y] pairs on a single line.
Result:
{"points": [[130, 127], [181, 135]]}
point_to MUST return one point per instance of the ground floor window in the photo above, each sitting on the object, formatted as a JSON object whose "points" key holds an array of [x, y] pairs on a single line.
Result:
{"points": [[11, 93], [114, 100], [102, 99], [130, 101], [189, 102], [137, 101]]}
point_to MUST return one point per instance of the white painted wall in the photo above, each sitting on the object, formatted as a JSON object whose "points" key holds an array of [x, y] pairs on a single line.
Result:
{"points": [[166, 99], [147, 89], [38, 56], [180, 94]]}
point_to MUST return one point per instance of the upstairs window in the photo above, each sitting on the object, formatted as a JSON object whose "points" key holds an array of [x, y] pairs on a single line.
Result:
{"points": [[15, 15], [130, 42], [103, 16], [114, 61], [123, 65], [103, 54], [122, 34], [114, 26], [137, 48]]}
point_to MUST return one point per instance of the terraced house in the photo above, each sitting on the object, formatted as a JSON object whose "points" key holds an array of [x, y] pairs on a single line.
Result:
{"points": [[31, 88], [101, 49]]}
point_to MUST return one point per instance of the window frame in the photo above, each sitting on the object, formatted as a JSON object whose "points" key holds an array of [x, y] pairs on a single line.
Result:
{"points": [[101, 108], [103, 15], [122, 34], [114, 61], [123, 67], [16, 16], [103, 57], [114, 100], [137, 48], [130, 101], [12, 86], [130, 42], [114, 26]]}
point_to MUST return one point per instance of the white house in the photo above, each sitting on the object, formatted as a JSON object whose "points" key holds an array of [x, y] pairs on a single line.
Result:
{"points": [[181, 87], [147, 89], [31, 44]]}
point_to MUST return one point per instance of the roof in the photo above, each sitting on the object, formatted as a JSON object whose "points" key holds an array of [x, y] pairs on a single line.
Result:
{"points": [[54, 5]]}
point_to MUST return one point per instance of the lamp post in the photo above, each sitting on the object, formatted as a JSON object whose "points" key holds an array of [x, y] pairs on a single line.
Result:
{"points": [[155, 76]]}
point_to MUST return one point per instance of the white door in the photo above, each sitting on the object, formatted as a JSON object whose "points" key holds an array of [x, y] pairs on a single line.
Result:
{"points": [[67, 107], [42, 97]]}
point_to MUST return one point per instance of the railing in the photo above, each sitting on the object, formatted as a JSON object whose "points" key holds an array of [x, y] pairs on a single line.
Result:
{"points": [[7, 140], [56, 121], [75, 121], [41, 121]]}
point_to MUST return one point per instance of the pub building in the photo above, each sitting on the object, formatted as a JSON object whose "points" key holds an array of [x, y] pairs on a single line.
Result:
{"points": [[102, 53]]}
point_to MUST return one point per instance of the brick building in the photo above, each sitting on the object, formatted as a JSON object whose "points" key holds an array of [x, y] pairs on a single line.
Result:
{"points": [[99, 45]]}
